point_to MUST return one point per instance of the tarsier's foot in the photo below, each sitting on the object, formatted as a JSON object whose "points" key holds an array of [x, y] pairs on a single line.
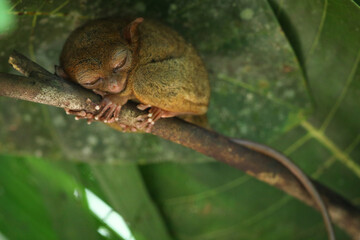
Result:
{"points": [[82, 114], [147, 121], [144, 122]]}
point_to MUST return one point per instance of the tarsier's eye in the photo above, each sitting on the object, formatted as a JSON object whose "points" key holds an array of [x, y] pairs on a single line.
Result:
{"points": [[93, 83], [120, 65]]}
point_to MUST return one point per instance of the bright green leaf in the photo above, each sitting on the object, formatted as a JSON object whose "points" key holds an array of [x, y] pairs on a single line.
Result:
{"points": [[6, 19]]}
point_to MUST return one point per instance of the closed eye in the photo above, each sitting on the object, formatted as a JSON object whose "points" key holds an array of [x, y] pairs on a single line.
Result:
{"points": [[120, 65], [94, 83]]}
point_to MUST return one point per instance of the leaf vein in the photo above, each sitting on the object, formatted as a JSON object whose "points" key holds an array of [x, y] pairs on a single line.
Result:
{"points": [[342, 156], [209, 193], [330, 161], [320, 28], [342, 94]]}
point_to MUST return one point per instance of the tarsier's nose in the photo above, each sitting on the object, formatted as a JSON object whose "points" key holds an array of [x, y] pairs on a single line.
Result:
{"points": [[114, 86]]}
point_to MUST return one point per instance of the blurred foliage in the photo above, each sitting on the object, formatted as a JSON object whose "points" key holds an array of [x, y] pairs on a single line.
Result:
{"points": [[6, 20], [283, 72]]}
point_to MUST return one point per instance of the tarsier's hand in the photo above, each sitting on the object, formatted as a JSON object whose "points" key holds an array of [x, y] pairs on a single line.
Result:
{"points": [[81, 114], [108, 111], [144, 121]]}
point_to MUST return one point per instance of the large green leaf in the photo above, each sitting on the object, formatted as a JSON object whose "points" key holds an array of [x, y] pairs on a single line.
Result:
{"points": [[39, 200], [283, 72], [49, 203], [326, 42], [258, 89]]}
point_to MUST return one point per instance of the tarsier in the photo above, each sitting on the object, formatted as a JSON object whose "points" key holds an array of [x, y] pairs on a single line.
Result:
{"points": [[143, 61], [147, 62]]}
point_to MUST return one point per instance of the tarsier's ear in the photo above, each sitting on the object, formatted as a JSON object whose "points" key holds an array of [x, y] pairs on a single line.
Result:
{"points": [[131, 34], [59, 71]]}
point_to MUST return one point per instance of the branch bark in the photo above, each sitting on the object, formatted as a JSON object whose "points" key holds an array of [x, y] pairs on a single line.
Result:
{"points": [[43, 87]]}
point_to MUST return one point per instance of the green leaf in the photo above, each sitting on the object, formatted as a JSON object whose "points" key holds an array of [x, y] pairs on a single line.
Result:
{"points": [[39, 199], [124, 188], [6, 20], [356, 2], [330, 54], [285, 73], [53, 205], [258, 89]]}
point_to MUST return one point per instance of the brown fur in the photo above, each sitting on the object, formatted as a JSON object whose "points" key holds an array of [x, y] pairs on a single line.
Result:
{"points": [[165, 71]]}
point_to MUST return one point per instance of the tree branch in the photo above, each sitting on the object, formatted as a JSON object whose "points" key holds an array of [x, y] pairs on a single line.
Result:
{"points": [[43, 87]]}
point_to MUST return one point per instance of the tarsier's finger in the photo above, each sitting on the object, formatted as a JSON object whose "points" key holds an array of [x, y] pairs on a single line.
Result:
{"points": [[142, 125], [148, 129], [127, 128], [149, 125], [67, 111], [117, 112], [109, 115], [80, 113], [88, 101], [134, 129], [102, 104], [142, 118], [103, 110], [157, 114], [146, 123], [89, 116], [143, 106]]}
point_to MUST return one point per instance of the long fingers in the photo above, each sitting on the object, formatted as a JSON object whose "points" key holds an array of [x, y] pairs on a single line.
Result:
{"points": [[117, 112], [103, 110], [157, 114], [109, 117]]}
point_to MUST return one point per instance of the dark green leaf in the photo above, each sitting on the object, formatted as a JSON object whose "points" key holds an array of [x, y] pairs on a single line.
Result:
{"points": [[282, 72]]}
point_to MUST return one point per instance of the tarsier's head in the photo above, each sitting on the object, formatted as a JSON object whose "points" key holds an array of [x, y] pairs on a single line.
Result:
{"points": [[99, 55]]}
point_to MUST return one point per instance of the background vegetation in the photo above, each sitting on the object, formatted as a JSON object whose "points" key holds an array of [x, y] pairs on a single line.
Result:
{"points": [[283, 72]]}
